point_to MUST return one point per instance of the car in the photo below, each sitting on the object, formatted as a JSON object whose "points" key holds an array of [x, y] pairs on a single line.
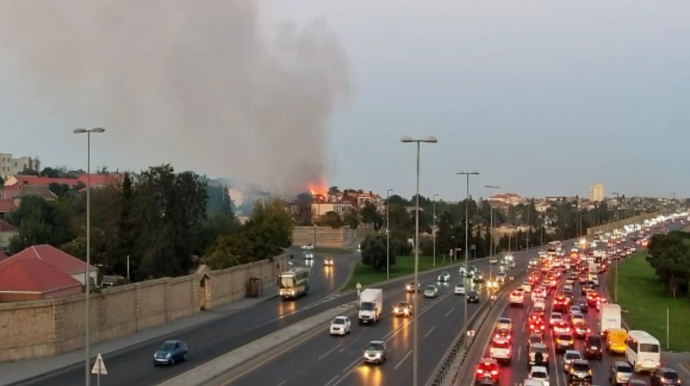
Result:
{"points": [[462, 269], [443, 277], [534, 349], [340, 325], [594, 346], [580, 373], [561, 327], [459, 289], [575, 309], [517, 298], [539, 310], [536, 326], [486, 372], [539, 373], [620, 373], [502, 334], [500, 351], [493, 260], [576, 319], [307, 255], [375, 352], [170, 352], [581, 330], [328, 262], [539, 304], [431, 291], [664, 376], [583, 305], [601, 302], [403, 309], [555, 318], [501, 277], [409, 287], [478, 277], [308, 247], [534, 339], [527, 287], [504, 322], [569, 357], [564, 341], [473, 297], [592, 298], [561, 303], [586, 287]]}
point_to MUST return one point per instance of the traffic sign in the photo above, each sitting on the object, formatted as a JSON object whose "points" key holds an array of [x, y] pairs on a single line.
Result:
{"points": [[470, 332], [99, 366]]}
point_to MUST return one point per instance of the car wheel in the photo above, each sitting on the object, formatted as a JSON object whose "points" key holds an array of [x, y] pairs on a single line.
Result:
{"points": [[184, 356], [172, 361]]}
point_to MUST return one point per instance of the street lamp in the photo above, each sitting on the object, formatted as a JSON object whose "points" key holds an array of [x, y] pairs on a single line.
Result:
{"points": [[492, 250], [388, 233], [87, 277], [415, 328], [467, 234], [615, 286], [434, 230]]}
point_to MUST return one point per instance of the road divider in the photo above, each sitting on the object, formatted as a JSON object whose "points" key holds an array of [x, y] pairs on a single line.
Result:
{"points": [[222, 365]]}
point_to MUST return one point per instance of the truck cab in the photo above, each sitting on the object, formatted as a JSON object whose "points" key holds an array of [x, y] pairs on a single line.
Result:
{"points": [[370, 305]]}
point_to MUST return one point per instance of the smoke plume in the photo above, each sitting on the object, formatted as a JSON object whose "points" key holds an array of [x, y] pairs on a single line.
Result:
{"points": [[204, 85]]}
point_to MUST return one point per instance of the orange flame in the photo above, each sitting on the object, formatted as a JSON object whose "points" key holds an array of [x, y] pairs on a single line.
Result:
{"points": [[319, 187]]}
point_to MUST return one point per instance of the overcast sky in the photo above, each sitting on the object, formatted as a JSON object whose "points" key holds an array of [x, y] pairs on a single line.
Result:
{"points": [[540, 97]]}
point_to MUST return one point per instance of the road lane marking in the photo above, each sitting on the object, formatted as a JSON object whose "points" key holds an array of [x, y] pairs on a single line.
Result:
{"points": [[282, 383], [519, 351], [328, 352], [402, 360], [430, 331], [449, 312], [332, 380], [524, 325]]}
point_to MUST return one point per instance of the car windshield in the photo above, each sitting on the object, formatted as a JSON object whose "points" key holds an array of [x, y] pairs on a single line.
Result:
{"points": [[565, 337], [624, 368], [540, 349], [593, 340], [338, 321], [167, 346], [572, 355], [535, 339], [670, 375], [403, 305], [430, 288], [539, 374], [556, 316], [501, 344], [580, 367], [460, 285], [375, 346]]}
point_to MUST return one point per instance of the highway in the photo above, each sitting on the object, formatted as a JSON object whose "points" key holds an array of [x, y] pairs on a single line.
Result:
{"points": [[133, 366], [516, 374], [337, 361]]}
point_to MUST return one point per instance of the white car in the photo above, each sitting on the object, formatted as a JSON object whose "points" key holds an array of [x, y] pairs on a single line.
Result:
{"points": [[500, 350], [308, 247], [504, 323], [431, 291], [493, 260], [539, 373], [340, 325], [517, 298], [462, 270], [555, 318], [526, 286], [539, 303], [444, 277], [459, 289], [569, 357], [308, 256]]}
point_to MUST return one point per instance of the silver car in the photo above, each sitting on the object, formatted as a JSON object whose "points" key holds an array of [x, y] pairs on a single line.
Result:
{"points": [[620, 373], [431, 291], [569, 357], [375, 352]]}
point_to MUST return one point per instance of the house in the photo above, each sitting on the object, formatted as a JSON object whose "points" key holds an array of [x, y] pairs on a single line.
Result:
{"points": [[29, 279], [63, 262], [507, 198], [41, 191], [6, 206], [7, 231], [321, 208]]}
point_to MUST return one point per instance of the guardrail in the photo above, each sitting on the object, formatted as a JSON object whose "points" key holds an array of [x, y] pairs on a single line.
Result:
{"points": [[456, 355]]}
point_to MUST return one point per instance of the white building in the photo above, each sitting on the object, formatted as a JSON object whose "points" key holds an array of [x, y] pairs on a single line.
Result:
{"points": [[10, 166], [596, 193]]}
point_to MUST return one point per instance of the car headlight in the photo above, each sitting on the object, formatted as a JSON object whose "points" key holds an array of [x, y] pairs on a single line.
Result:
{"points": [[378, 355]]}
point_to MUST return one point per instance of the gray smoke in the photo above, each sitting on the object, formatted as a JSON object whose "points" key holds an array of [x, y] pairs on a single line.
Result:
{"points": [[204, 85]]}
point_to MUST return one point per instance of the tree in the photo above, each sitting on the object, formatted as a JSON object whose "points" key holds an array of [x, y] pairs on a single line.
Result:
{"points": [[29, 172], [40, 222], [370, 215], [50, 172], [60, 190], [374, 252], [269, 229], [351, 220], [229, 251], [126, 227], [673, 267], [444, 235], [332, 219]]}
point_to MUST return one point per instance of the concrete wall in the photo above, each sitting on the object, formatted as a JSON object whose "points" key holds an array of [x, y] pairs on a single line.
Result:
{"points": [[45, 327], [619, 224], [329, 237]]}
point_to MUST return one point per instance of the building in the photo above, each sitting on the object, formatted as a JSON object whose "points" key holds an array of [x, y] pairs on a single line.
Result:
{"points": [[6, 206], [319, 209], [63, 262], [507, 198], [596, 193], [7, 231], [10, 166]]}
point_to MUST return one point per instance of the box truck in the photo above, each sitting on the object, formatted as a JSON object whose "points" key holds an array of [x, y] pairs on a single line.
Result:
{"points": [[610, 317], [370, 305]]}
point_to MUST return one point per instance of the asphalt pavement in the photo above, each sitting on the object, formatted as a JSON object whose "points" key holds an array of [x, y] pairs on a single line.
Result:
{"points": [[337, 361], [133, 365]]}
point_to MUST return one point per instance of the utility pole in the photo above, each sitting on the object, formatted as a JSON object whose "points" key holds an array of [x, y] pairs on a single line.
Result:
{"points": [[615, 285], [434, 230], [388, 233], [467, 234], [492, 249]]}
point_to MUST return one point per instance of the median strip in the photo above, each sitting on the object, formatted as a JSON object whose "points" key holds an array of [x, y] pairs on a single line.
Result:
{"points": [[221, 365]]}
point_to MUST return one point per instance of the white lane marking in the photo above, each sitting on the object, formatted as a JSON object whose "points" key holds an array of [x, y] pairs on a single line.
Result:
{"points": [[519, 351], [332, 380], [282, 383], [524, 325], [328, 352], [430, 331], [449, 312], [402, 360]]}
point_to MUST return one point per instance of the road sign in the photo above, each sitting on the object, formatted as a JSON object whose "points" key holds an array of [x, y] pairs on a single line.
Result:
{"points": [[470, 332], [99, 366]]}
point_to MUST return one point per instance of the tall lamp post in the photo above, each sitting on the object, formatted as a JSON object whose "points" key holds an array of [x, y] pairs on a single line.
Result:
{"points": [[87, 276], [415, 327], [467, 233], [492, 250], [388, 234], [434, 230], [615, 285]]}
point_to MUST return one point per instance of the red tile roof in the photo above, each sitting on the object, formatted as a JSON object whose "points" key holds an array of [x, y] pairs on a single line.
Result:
{"points": [[33, 276], [99, 179], [54, 257], [35, 180], [7, 206], [6, 227]]}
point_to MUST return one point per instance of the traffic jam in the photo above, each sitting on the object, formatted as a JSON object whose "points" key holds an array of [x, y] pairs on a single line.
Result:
{"points": [[558, 327]]}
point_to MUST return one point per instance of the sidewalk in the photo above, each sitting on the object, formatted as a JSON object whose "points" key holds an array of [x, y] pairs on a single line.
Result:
{"points": [[11, 372]]}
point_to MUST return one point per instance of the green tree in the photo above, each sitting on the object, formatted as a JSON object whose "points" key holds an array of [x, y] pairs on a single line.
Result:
{"points": [[50, 172], [229, 251], [40, 222], [269, 229], [444, 235], [60, 190], [351, 220], [29, 172], [370, 215], [126, 227], [374, 252], [332, 219]]}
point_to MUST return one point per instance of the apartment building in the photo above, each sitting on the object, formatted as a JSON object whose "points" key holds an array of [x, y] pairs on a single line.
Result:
{"points": [[10, 166], [596, 193]]}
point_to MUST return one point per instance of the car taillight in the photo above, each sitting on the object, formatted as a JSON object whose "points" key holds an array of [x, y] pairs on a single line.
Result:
{"points": [[480, 371], [572, 342], [494, 372]]}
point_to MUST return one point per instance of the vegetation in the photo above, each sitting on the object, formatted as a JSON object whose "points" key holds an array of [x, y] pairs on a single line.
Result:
{"points": [[165, 222], [365, 275], [669, 256], [646, 302]]}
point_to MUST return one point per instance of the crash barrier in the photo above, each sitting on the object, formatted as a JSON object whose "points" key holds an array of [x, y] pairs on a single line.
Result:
{"points": [[456, 355]]}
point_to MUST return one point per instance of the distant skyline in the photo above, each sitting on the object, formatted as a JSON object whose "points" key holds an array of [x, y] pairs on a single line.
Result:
{"points": [[541, 97]]}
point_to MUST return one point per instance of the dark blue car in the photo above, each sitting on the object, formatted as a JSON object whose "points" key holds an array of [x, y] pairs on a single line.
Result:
{"points": [[170, 352]]}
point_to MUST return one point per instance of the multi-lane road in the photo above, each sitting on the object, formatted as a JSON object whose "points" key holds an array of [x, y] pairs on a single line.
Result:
{"points": [[517, 372], [133, 366], [337, 361]]}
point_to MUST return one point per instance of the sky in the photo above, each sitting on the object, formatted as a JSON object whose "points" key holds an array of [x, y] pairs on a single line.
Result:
{"points": [[540, 97]]}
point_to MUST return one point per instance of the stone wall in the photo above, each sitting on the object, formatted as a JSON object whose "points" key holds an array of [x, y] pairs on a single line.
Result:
{"points": [[46, 327], [609, 227], [329, 237]]}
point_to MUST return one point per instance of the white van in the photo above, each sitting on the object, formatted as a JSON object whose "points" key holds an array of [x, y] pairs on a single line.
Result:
{"points": [[643, 352]]}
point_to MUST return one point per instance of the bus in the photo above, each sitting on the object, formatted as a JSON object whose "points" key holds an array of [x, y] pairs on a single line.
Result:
{"points": [[294, 283], [643, 351]]}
